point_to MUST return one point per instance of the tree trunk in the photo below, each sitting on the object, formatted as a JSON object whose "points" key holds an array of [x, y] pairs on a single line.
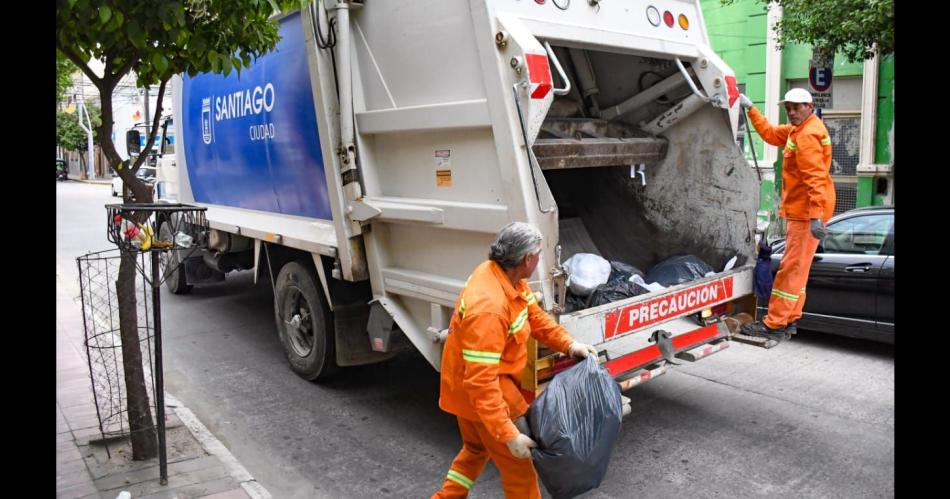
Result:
{"points": [[82, 167], [144, 444]]}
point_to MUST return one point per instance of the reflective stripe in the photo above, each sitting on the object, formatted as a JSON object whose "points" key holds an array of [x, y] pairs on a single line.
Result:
{"points": [[519, 322], [782, 294], [483, 357], [528, 295], [462, 308], [460, 479], [826, 141], [789, 144]]}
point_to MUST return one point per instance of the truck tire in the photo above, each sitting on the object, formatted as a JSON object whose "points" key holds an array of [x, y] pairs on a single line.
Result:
{"points": [[175, 282], [303, 322]]}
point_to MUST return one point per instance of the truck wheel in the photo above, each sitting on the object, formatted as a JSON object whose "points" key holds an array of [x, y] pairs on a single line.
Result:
{"points": [[303, 324], [175, 282]]}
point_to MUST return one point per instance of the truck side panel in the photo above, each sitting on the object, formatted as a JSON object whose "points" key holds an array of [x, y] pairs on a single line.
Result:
{"points": [[258, 130]]}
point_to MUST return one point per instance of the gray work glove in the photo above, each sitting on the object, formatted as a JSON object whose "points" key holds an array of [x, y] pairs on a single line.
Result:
{"points": [[521, 446], [818, 229], [744, 101], [581, 350]]}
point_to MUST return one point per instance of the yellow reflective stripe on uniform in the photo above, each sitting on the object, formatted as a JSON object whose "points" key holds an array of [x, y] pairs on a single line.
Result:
{"points": [[462, 308], [460, 479], [789, 144], [782, 294], [826, 141], [519, 322], [483, 357], [530, 297]]}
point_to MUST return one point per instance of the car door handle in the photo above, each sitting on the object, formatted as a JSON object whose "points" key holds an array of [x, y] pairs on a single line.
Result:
{"points": [[861, 267]]}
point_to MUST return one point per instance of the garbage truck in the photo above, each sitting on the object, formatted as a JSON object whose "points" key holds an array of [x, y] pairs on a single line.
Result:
{"points": [[365, 166]]}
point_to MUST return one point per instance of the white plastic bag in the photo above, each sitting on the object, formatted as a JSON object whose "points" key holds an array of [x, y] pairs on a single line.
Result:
{"points": [[652, 287], [586, 271]]}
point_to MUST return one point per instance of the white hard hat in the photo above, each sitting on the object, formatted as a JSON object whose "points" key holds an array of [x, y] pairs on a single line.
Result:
{"points": [[798, 95]]}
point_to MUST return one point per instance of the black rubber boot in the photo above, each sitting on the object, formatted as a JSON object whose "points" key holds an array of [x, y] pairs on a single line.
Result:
{"points": [[792, 329], [759, 329]]}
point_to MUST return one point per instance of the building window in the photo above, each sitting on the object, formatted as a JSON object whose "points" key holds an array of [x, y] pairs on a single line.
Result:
{"points": [[845, 132]]}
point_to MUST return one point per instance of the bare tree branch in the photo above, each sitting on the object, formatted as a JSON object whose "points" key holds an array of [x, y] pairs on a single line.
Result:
{"points": [[81, 64]]}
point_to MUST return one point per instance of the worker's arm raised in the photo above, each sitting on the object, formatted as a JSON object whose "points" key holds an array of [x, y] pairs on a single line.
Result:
{"points": [[774, 135]]}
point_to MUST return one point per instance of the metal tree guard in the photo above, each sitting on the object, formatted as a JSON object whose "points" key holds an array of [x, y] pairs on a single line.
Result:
{"points": [[134, 228]]}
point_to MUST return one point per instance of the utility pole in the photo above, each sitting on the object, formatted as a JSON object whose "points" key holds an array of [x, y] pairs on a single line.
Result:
{"points": [[146, 104], [91, 164], [148, 147]]}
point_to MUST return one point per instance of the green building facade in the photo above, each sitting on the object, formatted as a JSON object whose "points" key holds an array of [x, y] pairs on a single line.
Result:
{"points": [[861, 128]]}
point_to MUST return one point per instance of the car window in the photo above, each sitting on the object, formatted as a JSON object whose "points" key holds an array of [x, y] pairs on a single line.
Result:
{"points": [[858, 235]]}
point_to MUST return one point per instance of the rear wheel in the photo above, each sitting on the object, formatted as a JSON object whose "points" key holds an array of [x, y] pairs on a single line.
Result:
{"points": [[175, 282], [303, 324]]}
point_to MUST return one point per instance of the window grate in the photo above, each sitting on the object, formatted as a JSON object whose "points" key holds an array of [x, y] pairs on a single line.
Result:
{"points": [[845, 132], [846, 197]]}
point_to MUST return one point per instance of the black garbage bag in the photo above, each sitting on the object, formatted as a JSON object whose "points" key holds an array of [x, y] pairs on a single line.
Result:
{"points": [[620, 271], [616, 291], [575, 421], [573, 303], [762, 282], [677, 270]]}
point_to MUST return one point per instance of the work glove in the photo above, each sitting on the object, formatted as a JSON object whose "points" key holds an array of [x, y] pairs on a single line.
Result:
{"points": [[521, 446], [818, 229], [744, 101], [580, 350]]}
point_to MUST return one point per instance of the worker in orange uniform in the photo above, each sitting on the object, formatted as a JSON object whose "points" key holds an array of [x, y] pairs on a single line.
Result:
{"points": [[483, 357], [808, 201]]}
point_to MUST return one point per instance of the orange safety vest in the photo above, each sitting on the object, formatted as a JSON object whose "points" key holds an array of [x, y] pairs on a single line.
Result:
{"points": [[485, 350], [808, 191]]}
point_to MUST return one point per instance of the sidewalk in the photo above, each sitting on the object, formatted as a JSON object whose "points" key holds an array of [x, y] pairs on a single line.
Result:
{"points": [[100, 181], [199, 466]]}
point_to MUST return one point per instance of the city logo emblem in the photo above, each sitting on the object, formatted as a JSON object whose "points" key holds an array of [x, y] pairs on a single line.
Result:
{"points": [[206, 120]]}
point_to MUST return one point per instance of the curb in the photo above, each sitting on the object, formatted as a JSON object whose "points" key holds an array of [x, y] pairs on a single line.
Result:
{"points": [[213, 446]]}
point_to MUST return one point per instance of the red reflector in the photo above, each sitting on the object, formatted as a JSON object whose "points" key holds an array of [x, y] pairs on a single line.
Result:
{"points": [[668, 18], [733, 89], [539, 72]]}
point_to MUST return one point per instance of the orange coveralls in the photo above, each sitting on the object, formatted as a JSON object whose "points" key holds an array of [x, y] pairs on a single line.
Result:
{"points": [[483, 357], [808, 193]]}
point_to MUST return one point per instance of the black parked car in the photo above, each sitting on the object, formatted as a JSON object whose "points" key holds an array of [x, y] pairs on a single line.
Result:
{"points": [[850, 289]]}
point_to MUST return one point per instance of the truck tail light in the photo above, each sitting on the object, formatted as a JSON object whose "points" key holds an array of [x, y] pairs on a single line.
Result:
{"points": [[668, 18], [653, 15], [684, 22]]}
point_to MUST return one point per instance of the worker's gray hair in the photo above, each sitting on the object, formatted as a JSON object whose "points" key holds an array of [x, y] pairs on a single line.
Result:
{"points": [[515, 240]]}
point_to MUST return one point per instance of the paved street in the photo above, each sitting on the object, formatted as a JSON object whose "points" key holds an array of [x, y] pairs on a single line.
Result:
{"points": [[811, 418]]}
